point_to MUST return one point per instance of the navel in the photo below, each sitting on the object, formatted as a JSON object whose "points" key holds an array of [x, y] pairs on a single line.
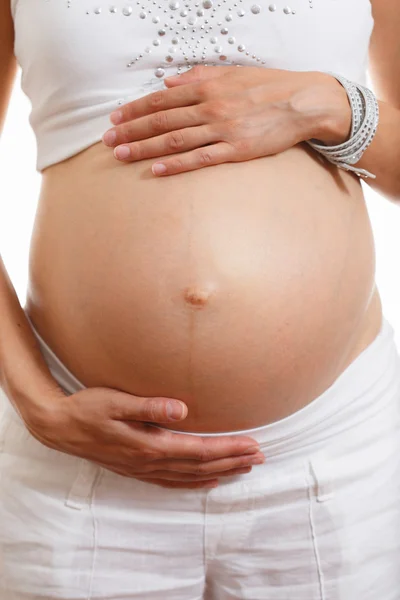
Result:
{"points": [[198, 296]]}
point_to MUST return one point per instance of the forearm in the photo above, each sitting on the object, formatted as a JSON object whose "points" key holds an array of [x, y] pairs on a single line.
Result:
{"points": [[24, 375], [382, 157]]}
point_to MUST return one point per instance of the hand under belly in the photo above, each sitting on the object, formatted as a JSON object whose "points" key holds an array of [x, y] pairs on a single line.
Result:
{"points": [[237, 288]]}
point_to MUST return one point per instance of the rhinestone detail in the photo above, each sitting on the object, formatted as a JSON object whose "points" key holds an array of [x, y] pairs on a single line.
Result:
{"points": [[197, 18]]}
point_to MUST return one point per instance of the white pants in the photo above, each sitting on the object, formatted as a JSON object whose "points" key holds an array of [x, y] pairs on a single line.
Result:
{"points": [[320, 520]]}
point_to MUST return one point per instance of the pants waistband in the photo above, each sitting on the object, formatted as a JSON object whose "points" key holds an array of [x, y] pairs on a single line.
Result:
{"points": [[355, 394]]}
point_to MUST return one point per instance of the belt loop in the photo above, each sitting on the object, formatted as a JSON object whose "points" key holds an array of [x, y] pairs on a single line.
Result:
{"points": [[82, 488], [5, 424], [320, 469]]}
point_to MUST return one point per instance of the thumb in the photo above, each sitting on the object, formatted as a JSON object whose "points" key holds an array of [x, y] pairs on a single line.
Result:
{"points": [[154, 410]]}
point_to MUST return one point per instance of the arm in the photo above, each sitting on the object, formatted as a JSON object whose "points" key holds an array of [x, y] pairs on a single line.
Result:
{"points": [[8, 62], [19, 351], [382, 157], [15, 332], [22, 366]]}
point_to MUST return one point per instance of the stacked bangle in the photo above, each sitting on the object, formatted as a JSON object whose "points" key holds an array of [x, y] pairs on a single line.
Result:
{"points": [[365, 118]]}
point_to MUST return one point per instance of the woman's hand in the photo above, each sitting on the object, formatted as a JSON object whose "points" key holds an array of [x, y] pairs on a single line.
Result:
{"points": [[229, 114], [113, 429]]}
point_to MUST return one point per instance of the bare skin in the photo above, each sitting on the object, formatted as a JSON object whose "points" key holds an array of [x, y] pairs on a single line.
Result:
{"points": [[246, 301]]}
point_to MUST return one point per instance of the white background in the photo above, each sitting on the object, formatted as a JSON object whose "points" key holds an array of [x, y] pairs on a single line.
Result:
{"points": [[19, 189]]}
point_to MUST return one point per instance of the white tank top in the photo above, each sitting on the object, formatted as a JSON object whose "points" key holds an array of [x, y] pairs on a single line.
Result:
{"points": [[81, 59]]}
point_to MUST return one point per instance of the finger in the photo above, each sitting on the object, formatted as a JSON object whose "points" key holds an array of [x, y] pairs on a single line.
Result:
{"points": [[173, 476], [169, 143], [156, 101], [164, 481], [126, 407], [213, 467], [182, 484], [153, 125], [206, 156], [180, 446]]}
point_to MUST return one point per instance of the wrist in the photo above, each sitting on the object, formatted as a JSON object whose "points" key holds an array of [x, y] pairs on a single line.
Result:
{"points": [[35, 399], [326, 110]]}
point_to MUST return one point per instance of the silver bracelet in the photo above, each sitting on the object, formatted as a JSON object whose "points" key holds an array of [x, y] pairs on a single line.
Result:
{"points": [[365, 119]]}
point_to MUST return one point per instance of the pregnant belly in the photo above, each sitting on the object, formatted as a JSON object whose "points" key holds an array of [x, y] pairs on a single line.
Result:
{"points": [[239, 288]]}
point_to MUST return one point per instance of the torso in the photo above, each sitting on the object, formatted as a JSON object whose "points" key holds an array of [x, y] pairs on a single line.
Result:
{"points": [[243, 289]]}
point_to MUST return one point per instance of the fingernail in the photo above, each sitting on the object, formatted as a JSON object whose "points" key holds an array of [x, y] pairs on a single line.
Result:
{"points": [[252, 450], [109, 137], [257, 461], [122, 152], [158, 168], [116, 117], [175, 410]]}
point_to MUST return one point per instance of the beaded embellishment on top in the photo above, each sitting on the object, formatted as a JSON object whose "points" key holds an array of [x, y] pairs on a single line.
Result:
{"points": [[82, 59], [189, 27]]}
